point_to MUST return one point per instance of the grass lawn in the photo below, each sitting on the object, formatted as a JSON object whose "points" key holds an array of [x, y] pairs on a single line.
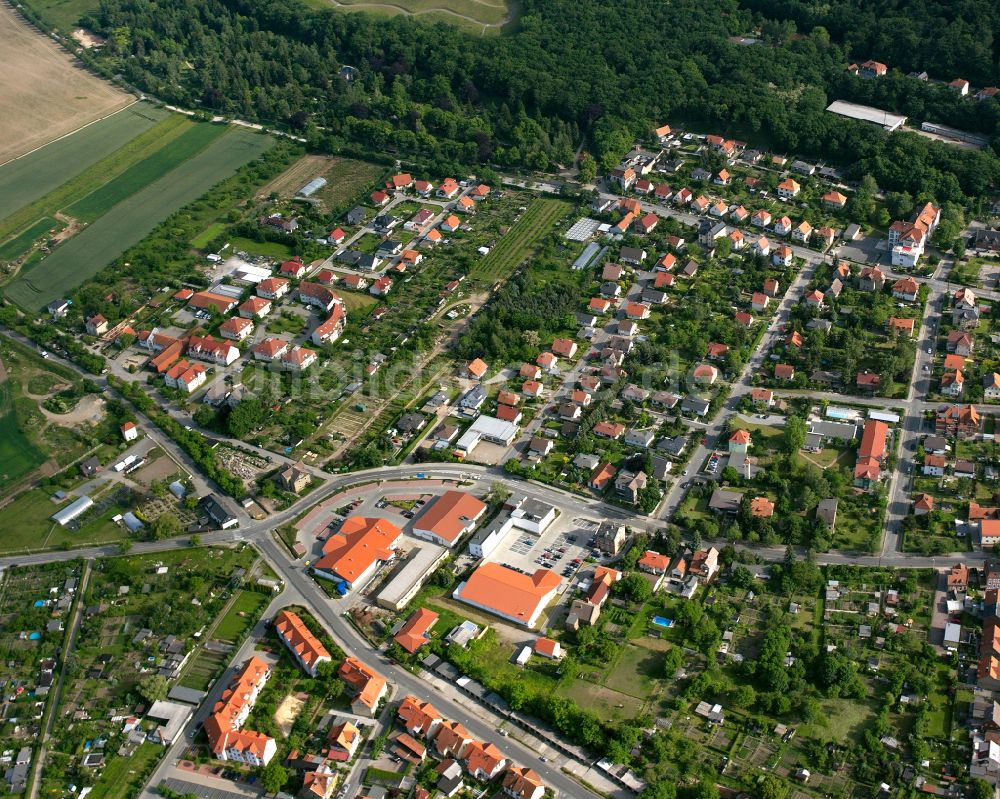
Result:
{"points": [[97, 245], [967, 273], [824, 459], [269, 249], [358, 303], [491, 12], [27, 525], [209, 233], [605, 702], [854, 528], [426, 16], [124, 774], [763, 435], [845, 719], [18, 454], [243, 612], [285, 322], [368, 243], [63, 14], [694, 507], [636, 671]]}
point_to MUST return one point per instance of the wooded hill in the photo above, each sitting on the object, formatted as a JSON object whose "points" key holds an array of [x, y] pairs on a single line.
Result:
{"points": [[573, 68]]}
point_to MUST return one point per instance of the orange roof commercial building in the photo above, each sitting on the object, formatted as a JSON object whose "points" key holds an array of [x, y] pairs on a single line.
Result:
{"points": [[307, 649], [449, 517], [352, 555], [226, 739], [519, 598]]}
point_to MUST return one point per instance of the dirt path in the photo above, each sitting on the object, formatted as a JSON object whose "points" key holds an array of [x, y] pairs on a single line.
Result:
{"points": [[437, 10], [73, 628], [73, 226], [820, 466], [88, 409]]}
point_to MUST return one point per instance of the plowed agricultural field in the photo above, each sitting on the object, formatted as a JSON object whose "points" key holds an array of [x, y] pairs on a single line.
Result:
{"points": [[43, 93]]}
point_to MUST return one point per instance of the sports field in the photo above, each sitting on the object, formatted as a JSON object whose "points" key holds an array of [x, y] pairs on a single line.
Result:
{"points": [[25, 180], [519, 241], [44, 93], [96, 246]]}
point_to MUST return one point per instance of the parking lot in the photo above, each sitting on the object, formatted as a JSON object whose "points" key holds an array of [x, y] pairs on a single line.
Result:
{"points": [[562, 548], [867, 250]]}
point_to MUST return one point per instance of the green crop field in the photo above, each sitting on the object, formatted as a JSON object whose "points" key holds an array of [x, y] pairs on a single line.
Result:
{"points": [[77, 185], [17, 454], [519, 241], [96, 246], [34, 175], [150, 169], [12, 248]]}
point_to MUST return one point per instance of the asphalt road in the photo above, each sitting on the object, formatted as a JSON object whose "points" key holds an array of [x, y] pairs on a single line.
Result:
{"points": [[301, 589]]}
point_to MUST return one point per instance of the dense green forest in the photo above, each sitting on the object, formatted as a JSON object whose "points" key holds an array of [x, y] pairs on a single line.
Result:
{"points": [[946, 38], [572, 70]]}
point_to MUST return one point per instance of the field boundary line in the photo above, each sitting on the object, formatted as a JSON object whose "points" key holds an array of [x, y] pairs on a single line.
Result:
{"points": [[67, 135], [364, 5]]}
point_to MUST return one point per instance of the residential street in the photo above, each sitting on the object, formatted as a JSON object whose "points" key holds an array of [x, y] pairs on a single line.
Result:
{"points": [[525, 749]]}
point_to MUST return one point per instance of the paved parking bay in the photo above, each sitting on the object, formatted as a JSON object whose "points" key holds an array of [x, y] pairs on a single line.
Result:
{"points": [[206, 791], [556, 549]]}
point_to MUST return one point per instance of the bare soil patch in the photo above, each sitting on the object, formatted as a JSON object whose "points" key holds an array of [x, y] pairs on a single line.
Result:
{"points": [[160, 469], [89, 410], [287, 712], [88, 39], [297, 175], [43, 90]]}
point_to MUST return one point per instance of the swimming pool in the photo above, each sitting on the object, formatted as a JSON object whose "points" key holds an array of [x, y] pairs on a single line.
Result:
{"points": [[659, 621]]}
